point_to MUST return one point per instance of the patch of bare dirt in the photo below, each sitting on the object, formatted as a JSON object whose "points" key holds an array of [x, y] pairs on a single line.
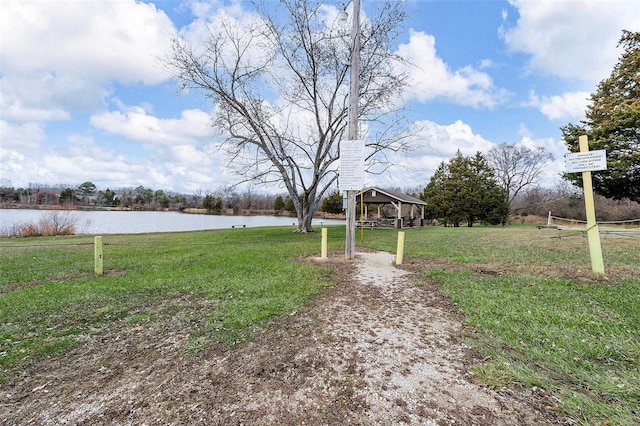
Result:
{"points": [[374, 350]]}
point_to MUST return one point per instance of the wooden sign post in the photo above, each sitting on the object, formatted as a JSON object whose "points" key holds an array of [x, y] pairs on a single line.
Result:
{"points": [[586, 161]]}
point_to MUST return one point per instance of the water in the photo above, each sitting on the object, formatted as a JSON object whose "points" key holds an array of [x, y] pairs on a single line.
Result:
{"points": [[126, 222]]}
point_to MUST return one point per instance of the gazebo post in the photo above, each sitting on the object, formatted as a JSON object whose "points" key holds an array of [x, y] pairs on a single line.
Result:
{"points": [[399, 215]]}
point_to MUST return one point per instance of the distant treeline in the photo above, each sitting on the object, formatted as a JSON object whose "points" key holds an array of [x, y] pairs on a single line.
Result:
{"points": [[563, 200], [567, 201], [88, 196]]}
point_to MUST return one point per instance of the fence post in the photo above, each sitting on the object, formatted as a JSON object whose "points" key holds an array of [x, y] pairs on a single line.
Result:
{"points": [[323, 254], [400, 249], [97, 255]]}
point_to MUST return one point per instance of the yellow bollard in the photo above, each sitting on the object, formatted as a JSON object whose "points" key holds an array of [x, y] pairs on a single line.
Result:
{"points": [[324, 244], [97, 255], [400, 249]]}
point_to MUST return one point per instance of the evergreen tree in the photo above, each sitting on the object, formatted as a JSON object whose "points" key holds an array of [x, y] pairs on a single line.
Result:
{"points": [[110, 198], [278, 204], [332, 203], [212, 204], [288, 205], [465, 190], [613, 124], [67, 195], [86, 190], [434, 195]]}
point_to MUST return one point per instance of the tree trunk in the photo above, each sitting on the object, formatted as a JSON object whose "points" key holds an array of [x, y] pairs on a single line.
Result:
{"points": [[305, 216]]}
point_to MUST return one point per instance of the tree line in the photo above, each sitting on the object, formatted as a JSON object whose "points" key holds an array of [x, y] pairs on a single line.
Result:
{"points": [[87, 195], [567, 201]]}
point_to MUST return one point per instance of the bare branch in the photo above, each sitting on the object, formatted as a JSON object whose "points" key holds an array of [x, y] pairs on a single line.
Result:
{"points": [[279, 87], [517, 167]]}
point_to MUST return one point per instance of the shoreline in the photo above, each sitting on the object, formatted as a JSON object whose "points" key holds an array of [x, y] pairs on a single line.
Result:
{"points": [[227, 212]]}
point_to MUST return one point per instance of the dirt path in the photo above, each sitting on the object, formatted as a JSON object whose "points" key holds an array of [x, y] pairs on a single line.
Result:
{"points": [[375, 350]]}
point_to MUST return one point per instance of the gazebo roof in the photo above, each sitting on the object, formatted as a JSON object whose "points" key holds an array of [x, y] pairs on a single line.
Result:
{"points": [[375, 195]]}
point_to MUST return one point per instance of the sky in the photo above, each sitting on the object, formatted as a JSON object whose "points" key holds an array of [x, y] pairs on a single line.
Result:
{"points": [[84, 96]]}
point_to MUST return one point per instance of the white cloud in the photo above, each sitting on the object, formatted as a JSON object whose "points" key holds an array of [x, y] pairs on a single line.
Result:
{"points": [[185, 170], [431, 77], [564, 107], [18, 113], [524, 131], [45, 90], [434, 144], [135, 124], [486, 63], [571, 39], [99, 40], [62, 56], [20, 150], [444, 141], [107, 171], [25, 136], [174, 147]]}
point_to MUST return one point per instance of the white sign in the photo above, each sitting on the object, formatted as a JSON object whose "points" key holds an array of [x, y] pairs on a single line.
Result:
{"points": [[588, 161], [351, 165]]}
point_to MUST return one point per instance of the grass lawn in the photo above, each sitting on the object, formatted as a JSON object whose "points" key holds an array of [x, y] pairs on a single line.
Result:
{"points": [[50, 297], [535, 311]]}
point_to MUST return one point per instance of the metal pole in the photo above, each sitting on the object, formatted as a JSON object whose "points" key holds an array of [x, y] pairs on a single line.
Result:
{"points": [[354, 87]]}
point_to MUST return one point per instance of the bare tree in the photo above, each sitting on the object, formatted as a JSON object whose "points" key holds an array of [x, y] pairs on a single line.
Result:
{"points": [[197, 197], [280, 92], [517, 167]]}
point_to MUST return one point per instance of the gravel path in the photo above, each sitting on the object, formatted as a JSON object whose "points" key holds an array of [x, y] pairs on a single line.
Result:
{"points": [[402, 343], [380, 351]]}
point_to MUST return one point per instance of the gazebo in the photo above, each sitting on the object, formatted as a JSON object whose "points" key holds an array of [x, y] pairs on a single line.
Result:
{"points": [[405, 205]]}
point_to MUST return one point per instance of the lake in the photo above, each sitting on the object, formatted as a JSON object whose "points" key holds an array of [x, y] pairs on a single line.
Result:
{"points": [[128, 222]]}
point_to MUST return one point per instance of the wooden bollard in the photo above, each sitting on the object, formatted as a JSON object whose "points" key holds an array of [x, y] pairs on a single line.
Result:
{"points": [[97, 256], [323, 254], [400, 248]]}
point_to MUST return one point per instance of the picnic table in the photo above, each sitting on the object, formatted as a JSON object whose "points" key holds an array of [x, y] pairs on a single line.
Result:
{"points": [[368, 223], [376, 223]]}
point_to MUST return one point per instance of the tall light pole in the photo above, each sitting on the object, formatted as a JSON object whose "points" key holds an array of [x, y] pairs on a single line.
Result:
{"points": [[350, 243]]}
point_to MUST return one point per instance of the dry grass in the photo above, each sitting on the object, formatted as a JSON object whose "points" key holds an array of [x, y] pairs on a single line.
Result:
{"points": [[52, 223]]}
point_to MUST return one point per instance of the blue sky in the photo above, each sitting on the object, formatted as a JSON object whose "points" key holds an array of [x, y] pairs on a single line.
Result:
{"points": [[83, 97]]}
